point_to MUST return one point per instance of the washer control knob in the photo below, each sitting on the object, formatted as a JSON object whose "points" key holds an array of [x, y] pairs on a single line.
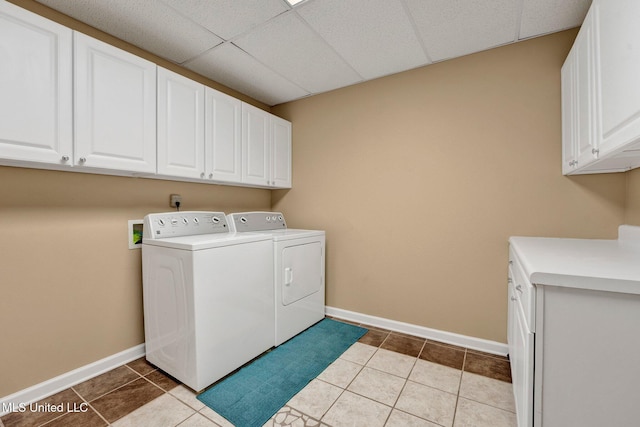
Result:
{"points": [[185, 221], [243, 219], [196, 220], [161, 222], [174, 221], [215, 219], [280, 218], [268, 218]]}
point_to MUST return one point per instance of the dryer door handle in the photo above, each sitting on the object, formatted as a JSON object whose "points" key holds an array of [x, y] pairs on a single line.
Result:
{"points": [[288, 276]]}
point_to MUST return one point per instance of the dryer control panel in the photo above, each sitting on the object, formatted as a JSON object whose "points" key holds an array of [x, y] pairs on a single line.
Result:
{"points": [[176, 224], [256, 221]]}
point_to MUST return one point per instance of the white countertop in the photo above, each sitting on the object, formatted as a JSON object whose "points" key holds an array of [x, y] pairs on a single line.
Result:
{"points": [[604, 265]]}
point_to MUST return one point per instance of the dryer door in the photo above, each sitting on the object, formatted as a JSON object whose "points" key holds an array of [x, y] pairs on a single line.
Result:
{"points": [[301, 273]]}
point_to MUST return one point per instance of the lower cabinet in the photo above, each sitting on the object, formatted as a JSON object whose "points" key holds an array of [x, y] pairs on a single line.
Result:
{"points": [[576, 365]]}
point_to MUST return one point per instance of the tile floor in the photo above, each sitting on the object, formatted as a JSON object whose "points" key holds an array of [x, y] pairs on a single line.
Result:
{"points": [[385, 379]]}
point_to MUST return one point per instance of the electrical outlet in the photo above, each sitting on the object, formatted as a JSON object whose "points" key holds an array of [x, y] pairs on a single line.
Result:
{"points": [[173, 199]]}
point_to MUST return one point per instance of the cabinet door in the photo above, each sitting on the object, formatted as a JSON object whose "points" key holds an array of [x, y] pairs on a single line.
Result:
{"points": [[618, 63], [180, 125], [223, 136], [115, 108], [281, 152], [521, 357], [35, 87], [585, 98], [569, 144], [579, 119], [256, 146]]}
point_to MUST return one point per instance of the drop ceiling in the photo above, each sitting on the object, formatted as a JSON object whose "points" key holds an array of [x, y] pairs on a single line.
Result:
{"points": [[276, 53]]}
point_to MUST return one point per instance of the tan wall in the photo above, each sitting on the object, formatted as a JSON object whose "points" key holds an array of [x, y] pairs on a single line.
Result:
{"points": [[420, 178], [632, 212], [71, 288]]}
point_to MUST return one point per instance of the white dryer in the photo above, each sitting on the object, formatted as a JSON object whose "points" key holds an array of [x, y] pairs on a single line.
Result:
{"points": [[299, 270], [208, 295]]}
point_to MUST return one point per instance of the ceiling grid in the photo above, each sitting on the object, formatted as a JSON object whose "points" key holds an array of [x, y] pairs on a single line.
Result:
{"points": [[275, 52]]}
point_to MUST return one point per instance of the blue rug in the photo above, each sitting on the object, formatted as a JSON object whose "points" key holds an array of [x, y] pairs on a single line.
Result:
{"points": [[254, 394]]}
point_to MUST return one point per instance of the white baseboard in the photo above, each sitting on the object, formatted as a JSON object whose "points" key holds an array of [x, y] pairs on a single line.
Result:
{"points": [[487, 346], [69, 379]]}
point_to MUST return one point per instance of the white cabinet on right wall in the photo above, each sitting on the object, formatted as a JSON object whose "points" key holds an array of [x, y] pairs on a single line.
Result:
{"points": [[618, 65], [601, 91], [266, 149]]}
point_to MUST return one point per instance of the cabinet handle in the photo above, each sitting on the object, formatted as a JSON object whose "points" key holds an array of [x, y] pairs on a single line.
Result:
{"points": [[82, 159], [509, 280], [202, 175], [210, 176], [514, 299], [510, 262], [519, 288], [65, 158], [595, 151]]}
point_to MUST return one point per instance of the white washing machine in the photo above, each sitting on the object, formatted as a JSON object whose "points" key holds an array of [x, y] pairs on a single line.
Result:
{"points": [[299, 268], [208, 295]]}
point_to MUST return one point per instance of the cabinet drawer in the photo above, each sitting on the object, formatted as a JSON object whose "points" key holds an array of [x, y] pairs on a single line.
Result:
{"points": [[524, 291]]}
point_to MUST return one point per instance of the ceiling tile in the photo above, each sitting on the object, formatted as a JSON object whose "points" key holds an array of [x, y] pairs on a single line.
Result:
{"points": [[148, 24], [228, 18], [288, 46], [232, 67], [375, 37], [546, 16], [451, 28]]}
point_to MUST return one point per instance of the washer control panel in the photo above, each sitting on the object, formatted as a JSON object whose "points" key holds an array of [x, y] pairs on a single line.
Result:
{"points": [[176, 224], [256, 221]]}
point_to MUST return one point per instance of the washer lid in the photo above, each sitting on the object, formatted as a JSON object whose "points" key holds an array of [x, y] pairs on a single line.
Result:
{"points": [[206, 241]]}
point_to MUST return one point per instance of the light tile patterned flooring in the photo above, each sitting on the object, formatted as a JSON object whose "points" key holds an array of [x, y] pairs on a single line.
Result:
{"points": [[385, 379]]}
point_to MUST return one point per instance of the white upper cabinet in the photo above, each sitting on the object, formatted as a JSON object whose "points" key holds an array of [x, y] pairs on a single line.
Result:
{"points": [[35, 88], [601, 91], [180, 126], [579, 100], [266, 149], [619, 72], [280, 152], [69, 101], [223, 136], [256, 146], [115, 108], [569, 140]]}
